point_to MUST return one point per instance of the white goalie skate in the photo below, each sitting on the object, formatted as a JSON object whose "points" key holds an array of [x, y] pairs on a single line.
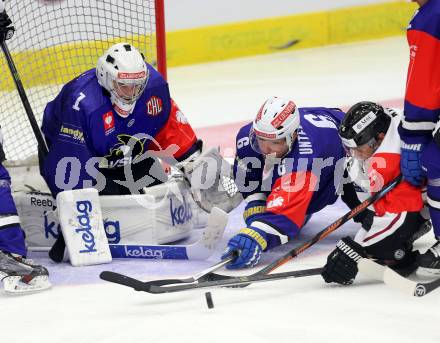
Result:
{"points": [[21, 276]]}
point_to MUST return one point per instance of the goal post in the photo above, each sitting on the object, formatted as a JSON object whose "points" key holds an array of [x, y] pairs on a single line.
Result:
{"points": [[56, 40]]}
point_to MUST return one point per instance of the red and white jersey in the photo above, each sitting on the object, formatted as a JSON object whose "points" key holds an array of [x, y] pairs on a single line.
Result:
{"points": [[371, 175]]}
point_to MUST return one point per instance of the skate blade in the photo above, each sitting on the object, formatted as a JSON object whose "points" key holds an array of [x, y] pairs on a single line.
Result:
{"points": [[14, 285]]}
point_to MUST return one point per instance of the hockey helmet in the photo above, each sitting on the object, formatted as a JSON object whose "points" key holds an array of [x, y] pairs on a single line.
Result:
{"points": [[123, 73], [277, 119], [362, 124]]}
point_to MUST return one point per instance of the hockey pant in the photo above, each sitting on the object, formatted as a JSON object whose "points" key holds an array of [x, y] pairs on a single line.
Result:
{"points": [[389, 237], [11, 234]]}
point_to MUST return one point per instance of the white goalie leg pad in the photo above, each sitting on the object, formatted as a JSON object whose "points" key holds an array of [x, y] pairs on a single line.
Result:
{"points": [[164, 214], [38, 219], [82, 226], [210, 176]]}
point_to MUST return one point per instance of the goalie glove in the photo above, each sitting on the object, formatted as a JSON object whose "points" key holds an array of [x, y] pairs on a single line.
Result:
{"points": [[342, 262], [249, 243]]}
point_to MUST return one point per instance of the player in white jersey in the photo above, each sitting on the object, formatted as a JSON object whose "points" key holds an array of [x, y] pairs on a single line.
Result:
{"points": [[369, 134]]}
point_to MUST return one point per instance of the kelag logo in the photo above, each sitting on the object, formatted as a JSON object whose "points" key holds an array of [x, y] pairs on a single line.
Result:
{"points": [[112, 231], [84, 208], [51, 228], [180, 214]]}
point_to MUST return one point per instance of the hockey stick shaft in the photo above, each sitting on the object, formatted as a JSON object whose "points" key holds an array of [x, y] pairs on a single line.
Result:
{"points": [[329, 229], [199, 277], [24, 99], [235, 281]]}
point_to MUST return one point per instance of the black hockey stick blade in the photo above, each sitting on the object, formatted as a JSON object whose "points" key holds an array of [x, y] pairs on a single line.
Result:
{"points": [[423, 288], [123, 280], [395, 280]]}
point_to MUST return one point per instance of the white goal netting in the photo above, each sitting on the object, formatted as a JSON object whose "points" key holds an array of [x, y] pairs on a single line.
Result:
{"points": [[56, 40]]}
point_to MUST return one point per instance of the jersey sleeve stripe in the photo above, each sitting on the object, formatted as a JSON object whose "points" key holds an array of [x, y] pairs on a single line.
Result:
{"points": [[270, 230]]}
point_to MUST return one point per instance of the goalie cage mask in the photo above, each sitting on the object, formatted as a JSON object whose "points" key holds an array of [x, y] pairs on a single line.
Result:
{"points": [[123, 73]]}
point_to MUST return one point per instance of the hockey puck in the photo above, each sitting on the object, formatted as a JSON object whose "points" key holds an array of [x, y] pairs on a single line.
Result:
{"points": [[209, 301]]}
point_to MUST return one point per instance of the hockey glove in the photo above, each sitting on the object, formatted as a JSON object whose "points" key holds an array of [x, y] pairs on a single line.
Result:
{"points": [[6, 29], [410, 163], [249, 243], [342, 262], [253, 208]]}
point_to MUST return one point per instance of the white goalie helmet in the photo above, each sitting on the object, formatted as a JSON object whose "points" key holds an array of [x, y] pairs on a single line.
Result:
{"points": [[278, 118], [123, 73]]}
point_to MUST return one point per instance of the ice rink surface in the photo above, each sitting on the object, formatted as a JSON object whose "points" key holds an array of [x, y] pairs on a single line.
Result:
{"points": [[217, 98]]}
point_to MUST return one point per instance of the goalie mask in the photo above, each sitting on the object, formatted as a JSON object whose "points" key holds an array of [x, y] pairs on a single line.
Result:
{"points": [[123, 73], [274, 127]]}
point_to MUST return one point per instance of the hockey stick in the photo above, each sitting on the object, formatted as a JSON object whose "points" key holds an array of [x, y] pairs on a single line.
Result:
{"points": [[24, 99], [139, 285], [118, 278], [199, 250], [234, 281], [395, 280], [325, 232]]}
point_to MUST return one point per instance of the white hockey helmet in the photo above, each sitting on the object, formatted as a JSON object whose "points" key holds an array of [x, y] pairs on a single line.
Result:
{"points": [[277, 118], [123, 73]]}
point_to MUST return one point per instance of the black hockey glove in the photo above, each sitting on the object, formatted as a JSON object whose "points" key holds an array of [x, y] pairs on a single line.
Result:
{"points": [[6, 28], [342, 262]]}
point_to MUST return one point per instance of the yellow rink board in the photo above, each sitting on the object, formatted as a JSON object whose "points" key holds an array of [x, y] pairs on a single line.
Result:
{"points": [[228, 41]]}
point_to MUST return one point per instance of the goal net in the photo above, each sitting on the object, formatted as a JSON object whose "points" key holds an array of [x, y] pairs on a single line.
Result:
{"points": [[56, 40]]}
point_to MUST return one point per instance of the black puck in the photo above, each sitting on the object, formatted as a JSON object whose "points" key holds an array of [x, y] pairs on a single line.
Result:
{"points": [[209, 301]]}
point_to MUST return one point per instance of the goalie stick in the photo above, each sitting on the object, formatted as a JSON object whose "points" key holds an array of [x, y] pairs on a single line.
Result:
{"points": [[138, 285], [395, 280], [199, 250]]}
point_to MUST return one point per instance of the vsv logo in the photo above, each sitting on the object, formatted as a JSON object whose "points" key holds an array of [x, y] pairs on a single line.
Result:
{"points": [[50, 226], [180, 214], [84, 208], [112, 231]]}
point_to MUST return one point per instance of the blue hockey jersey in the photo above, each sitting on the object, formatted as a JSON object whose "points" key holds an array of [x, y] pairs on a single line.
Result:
{"points": [[302, 183], [83, 131]]}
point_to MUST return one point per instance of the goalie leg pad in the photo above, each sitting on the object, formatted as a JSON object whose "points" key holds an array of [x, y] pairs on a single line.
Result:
{"points": [[82, 226]]}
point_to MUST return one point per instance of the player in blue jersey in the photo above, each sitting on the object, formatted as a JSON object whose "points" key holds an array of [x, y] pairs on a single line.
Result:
{"points": [[286, 168], [16, 272], [106, 128], [104, 124], [419, 129]]}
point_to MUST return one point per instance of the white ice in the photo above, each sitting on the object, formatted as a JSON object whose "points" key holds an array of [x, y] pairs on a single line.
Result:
{"points": [[81, 308]]}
